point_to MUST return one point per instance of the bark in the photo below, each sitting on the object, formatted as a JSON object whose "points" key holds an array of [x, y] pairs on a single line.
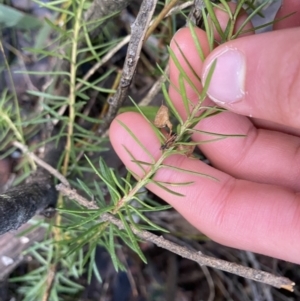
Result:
{"points": [[20, 204]]}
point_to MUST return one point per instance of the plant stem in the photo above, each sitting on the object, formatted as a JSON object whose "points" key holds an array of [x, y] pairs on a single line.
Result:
{"points": [[72, 96], [141, 183]]}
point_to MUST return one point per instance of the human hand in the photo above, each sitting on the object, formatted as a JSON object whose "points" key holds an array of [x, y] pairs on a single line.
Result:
{"points": [[255, 204]]}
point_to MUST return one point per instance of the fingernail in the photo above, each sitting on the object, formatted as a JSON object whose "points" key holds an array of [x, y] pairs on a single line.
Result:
{"points": [[228, 79]]}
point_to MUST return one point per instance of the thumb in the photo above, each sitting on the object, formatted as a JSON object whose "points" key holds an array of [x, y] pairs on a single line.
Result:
{"points": [[258, 76]]}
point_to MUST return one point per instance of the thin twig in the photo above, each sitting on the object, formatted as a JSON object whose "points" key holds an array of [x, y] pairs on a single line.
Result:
{"points": [[195, 14], [103, 61], [179, 8], [138, 29], [129, 274], [41, 163], [211, 284], [246, 272], [160, 17], [156, 88], [49, 282], [72, 93]]}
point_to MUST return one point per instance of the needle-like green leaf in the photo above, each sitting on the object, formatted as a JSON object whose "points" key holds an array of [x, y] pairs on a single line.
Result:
{"points": [[160, 185], [136, 139], [188, 171]]}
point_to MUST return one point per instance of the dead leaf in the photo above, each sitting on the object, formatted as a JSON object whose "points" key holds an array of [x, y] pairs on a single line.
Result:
{"points": [[162, 118], [186, 149]]}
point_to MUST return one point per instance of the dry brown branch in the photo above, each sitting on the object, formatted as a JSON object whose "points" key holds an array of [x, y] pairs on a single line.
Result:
{"points": [[156, 88], [249, 273], [195, 14], [138, 32]]}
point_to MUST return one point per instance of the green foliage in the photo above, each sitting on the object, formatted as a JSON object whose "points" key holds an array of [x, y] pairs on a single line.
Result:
{"points": [[34, 283]]}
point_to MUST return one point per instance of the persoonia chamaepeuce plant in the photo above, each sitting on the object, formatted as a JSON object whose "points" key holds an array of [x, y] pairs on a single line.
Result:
{"points": [[109, 207]]}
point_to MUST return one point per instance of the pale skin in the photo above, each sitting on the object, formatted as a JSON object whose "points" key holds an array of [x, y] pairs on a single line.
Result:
{"points": [[255, 204]]}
